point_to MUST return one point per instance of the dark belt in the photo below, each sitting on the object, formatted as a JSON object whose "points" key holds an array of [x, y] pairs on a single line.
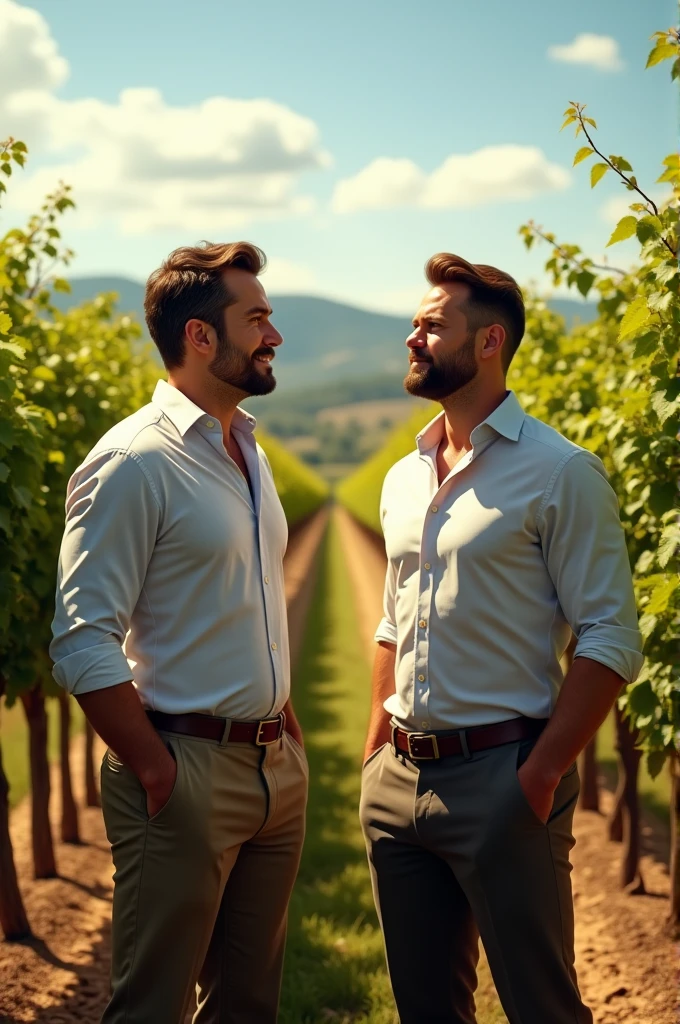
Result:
{"points": [[422, 746], [210, 727]]}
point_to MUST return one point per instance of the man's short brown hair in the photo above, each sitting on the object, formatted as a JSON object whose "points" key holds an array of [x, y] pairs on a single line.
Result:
{"points": [[189, 284], [495, 297]]}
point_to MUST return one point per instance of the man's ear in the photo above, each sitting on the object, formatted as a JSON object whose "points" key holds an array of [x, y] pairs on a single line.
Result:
{"points": [[199, 335], [493, 342]]}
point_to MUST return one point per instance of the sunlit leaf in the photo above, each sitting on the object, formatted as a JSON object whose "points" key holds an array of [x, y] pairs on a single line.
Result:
{"points": [[636, 317], [583, 154], [624, 229], [597, 172], [664, 51]]}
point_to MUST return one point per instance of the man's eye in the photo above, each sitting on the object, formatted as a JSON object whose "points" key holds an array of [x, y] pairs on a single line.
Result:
{"points": [[434, 323]]}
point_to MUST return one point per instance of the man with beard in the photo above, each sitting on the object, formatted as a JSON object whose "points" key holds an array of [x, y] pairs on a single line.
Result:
{"points": [[502, 538], [170, 630]]}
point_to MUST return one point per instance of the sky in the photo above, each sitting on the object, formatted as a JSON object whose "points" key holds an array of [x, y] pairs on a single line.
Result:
{"points": [[350, 141]]}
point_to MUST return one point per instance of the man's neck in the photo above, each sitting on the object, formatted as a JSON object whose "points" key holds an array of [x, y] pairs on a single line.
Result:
{"points": [[219, 401], [464, 411]]}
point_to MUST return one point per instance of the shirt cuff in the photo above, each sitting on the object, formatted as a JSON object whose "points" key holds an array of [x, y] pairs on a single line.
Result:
{"points": [[95, 668], [616, 647], [386, 631]]}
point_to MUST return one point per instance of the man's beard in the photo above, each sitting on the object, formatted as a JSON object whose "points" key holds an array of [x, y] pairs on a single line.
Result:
{"points": [[438, 381], [234, 367]]}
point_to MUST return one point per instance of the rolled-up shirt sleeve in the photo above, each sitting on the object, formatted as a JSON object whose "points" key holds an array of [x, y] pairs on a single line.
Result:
{"points": [[585, 553], [112, 518], [387, 629]]}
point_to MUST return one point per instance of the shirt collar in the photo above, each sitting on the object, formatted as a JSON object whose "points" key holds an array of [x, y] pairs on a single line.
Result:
{"points": [[182, 412], [506, 420]]}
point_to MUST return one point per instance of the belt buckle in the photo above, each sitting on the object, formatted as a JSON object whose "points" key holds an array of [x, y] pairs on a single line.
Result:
{"points": [[411, 736], [259, 742]]}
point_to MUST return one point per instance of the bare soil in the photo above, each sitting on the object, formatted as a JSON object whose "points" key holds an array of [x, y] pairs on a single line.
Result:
{"points": [[62, 976], [628, 967]]}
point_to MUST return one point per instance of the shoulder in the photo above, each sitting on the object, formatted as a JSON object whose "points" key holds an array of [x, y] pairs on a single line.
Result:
{"points": [[137, 434], [129, 449], [403, 470], [554, 452]]}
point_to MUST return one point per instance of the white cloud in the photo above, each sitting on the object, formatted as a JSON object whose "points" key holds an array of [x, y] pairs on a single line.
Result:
{"points": [[601, 52], [285, 277], [30, 57], [141, 162], [491, 174]]}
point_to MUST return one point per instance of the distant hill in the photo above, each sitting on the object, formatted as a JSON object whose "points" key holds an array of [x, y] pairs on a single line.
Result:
{"points": [[325, 342]]}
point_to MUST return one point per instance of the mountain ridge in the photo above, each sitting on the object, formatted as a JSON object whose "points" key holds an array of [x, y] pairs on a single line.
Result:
{"points": [[324, 339]]}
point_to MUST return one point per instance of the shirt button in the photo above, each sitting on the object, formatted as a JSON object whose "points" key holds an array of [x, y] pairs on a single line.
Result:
{"points": [[210, 424], [435, 508], [422, 623], [427, 566], [274, 647], [424, 724], [266, 579], [421, 678]]}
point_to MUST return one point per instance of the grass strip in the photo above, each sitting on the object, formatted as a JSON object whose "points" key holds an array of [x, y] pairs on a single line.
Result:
{"points": [[335, 969]]}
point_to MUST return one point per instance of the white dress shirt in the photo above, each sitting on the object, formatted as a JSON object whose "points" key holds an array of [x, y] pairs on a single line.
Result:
{"points": [[489, 572], [171, 571]]}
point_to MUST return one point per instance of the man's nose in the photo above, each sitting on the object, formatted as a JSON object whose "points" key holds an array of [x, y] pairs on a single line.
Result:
{"points": [[273, 337], [416, 339]]}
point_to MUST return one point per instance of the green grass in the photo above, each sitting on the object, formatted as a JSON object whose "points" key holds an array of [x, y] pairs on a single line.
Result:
{"points": [[14, 740], [335, 968], [299, 487]]}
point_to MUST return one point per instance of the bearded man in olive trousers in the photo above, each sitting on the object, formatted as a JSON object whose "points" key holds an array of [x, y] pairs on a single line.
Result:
{"points": [[171, 632]]}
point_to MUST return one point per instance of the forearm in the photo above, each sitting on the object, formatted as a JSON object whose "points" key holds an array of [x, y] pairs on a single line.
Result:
{"points": [[586, 698], [292, 724], [382, 688], [117, 715]]}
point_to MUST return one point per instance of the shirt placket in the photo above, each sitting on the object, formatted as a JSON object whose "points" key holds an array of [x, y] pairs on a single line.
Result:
{"points": [[428, 569], [272, 618], [271, 609]]}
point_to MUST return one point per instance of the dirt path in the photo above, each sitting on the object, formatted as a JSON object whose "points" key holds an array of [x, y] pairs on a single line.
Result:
{"points": [[63, 977], [628, 969]]}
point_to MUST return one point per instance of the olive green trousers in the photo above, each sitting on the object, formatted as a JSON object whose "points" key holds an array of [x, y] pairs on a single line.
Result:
{"points": [[201, 889], [456, 851]]}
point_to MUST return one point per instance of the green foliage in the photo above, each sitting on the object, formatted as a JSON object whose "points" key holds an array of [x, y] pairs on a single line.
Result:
{"points": [[301, 490], [613, 387], [360, 492]]}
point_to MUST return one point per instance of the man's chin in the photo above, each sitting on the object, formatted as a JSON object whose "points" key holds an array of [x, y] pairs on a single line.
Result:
{"points": [[417, 384], [262, 384]]}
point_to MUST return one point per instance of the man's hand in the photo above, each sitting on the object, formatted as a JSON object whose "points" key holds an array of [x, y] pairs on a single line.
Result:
{"points": [[293, 729], [379, 728], [292, 725], [539, 789], [369, 750], [159, 785]]}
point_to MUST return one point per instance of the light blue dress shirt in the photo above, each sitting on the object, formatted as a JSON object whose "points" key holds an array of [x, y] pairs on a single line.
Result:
{"points": [[170, 571], [489, 573]]}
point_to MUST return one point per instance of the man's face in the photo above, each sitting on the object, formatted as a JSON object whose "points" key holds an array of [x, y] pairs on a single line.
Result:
{"points": [[247, 340], [441, 347]]}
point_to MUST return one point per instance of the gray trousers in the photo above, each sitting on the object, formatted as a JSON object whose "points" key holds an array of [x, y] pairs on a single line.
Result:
{"points": [[456, 851]]}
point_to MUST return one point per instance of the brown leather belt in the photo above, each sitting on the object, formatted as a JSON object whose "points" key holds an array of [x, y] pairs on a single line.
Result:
{"points": [[421, 746], [210, 727]]}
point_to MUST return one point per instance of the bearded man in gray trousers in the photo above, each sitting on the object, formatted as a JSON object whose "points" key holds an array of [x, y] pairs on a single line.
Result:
{"points": [[502, 538]]}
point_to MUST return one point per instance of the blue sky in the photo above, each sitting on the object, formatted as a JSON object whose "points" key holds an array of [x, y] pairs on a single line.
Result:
{"points": [[382, 132]]}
